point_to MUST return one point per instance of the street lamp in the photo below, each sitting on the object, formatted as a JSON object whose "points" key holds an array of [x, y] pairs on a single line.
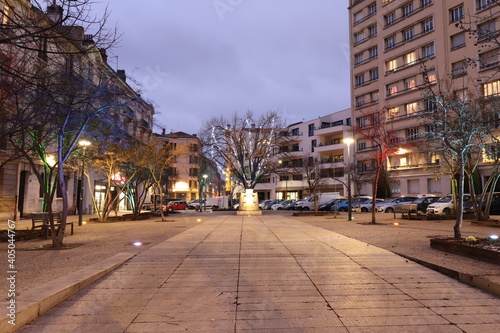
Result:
{"points": [[348, 142], [205, 176], [84, 144]]}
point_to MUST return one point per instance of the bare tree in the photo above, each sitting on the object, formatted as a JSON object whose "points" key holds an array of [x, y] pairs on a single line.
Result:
{"points": [[377, 139], [246, 145], [457, 125], [313, 174]]}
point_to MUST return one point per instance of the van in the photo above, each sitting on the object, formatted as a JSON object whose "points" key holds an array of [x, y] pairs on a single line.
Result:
{"points": [[308, 203]]}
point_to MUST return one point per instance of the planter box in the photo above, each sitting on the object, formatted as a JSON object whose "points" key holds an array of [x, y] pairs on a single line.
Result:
{"points": [[454, 246]]}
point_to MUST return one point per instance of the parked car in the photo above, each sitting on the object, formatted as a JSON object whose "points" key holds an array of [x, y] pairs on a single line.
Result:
{"points": [[326, 206], [175, 205], [308, 203], [268, 205], [494, 206], [367, 205], [291, 206], [444, 205], [420, 205], [194, 204], [394, 204], [342, 206], [263, 203], [282, 204]]}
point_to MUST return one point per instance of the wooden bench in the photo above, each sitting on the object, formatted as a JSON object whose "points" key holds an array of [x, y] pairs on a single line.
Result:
{"points": [[41, 221]]}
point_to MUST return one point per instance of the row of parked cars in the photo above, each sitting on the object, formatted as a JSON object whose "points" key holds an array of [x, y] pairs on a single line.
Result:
{"points": [[425, 204]]}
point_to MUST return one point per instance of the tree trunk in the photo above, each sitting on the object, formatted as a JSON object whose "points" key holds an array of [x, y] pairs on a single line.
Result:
{"points": [[460, 198]]}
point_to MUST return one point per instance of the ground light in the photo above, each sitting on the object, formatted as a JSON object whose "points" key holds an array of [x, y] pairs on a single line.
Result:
{"points": [[494, 237], [396, 223], [198, 220], [137, 243]]}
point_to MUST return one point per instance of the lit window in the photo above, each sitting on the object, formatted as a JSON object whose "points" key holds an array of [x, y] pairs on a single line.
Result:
{"points": [[393, 112], [410, 83], [491, 88], [391, 65], [410, 58], [392, 89], [411, 108]]}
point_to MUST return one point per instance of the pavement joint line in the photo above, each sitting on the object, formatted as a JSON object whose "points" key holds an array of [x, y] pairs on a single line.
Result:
{"points": [[476, 281], [38, 300]]}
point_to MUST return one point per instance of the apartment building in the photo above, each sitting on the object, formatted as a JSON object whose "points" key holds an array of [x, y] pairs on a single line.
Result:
{"points": [[401, 48], [314, 146], [189, 175], [55, 55]]}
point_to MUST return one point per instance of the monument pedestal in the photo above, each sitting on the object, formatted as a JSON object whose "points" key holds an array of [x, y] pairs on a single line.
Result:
{"points": [[249, 203]]}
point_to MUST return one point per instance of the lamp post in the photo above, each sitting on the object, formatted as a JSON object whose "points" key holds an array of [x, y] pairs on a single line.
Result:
{"points": [[84, 144], [205, 176], [348, 142]]}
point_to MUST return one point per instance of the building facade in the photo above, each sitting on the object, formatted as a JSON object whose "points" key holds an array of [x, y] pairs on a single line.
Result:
{"points": [[189, 175], [315, 147], [401, 49], [68, 54]]}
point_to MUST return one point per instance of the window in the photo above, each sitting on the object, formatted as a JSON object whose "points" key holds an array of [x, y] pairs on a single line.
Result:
{"points": [[390, 18], [390, 42], [483, 4], [295, 131], [489, 59], [359, 37], [407, 10], [360, 101], [358, 17], [361, 122], [393, 113], [457, 13], [428, 51], [374, 96], [427, 25], [361, 145], [411, 83], [412, 134], [392, 89], [426, 3], [430, 104], [408, 34], [310, 130], [373, 52], [410, 58], [391, 65], [359, 59], [359, 80], [372, 9], [462, 95], [457, 41], [4, 14], [458, 69], [430, 77], [372, 31], [411, 108], [491, 88], [374, 74], [486, 30]]}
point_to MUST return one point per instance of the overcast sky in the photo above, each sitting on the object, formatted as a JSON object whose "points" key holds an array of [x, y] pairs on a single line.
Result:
{"points": [[201, 58]]}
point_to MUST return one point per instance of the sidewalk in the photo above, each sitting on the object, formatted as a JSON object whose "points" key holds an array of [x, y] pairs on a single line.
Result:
{"points": [[271, 274]]}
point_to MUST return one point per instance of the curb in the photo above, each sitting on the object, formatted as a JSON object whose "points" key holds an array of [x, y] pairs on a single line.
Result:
{"points": [[477, 281], [40, 299]]}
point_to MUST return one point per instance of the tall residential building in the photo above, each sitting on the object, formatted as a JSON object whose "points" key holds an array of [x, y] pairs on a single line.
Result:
{"points": [[401, 48], [314, 146]]}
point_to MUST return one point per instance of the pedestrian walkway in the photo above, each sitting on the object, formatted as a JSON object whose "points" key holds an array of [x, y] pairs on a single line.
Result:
{"points": [[271, 274]]}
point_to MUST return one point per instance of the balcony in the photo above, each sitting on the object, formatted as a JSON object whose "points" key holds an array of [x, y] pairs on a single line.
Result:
{"points": [[329, 146], [324, 130]]}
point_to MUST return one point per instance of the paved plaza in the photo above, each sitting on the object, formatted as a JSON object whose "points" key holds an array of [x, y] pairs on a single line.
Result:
{"points": [[271, 274]]}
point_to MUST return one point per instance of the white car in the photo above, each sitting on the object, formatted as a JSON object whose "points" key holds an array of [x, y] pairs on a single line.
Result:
{"points": [[443, 206], [281, 205], [366, 206]]}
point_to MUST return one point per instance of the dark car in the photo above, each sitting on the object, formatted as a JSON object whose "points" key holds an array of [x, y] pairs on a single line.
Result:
{"points": [[422, 203], [342, 206], [328, 205], [494, 207]]}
